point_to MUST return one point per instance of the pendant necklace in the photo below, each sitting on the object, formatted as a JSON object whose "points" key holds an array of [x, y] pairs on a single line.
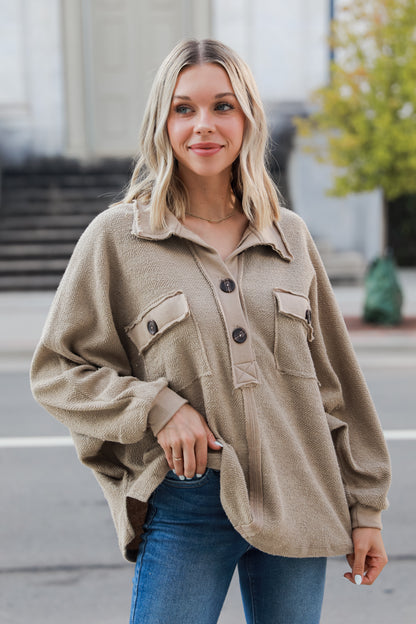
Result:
{"points": [[189, 214]]}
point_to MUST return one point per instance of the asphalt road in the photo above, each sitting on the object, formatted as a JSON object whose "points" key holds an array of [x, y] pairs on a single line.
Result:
{"points": [[59, 560]]}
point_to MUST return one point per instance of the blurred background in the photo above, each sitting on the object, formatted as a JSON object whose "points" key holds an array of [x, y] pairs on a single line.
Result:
{"points": [[74, 79]]}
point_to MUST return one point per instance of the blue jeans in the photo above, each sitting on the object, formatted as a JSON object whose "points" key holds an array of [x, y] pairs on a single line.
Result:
{"points": [[188, 556]]}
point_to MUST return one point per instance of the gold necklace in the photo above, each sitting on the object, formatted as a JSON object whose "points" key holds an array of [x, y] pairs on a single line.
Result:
{"points": [[189, 214]]}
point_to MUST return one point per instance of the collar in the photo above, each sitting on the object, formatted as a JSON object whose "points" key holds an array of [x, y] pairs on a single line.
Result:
{"points": [[272, 235], [141, 224]]}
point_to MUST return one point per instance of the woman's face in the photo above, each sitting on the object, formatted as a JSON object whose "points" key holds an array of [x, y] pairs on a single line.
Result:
{"points": [[206, 123]]}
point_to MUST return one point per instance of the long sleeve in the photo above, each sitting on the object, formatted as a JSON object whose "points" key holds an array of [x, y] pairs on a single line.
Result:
{"points": [[81, 372], [356, 431]]}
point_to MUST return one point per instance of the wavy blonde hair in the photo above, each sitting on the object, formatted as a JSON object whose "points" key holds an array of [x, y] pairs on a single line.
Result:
{"points": [[155, 181]]}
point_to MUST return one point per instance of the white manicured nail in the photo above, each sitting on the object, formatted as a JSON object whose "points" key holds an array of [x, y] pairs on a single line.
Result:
{"points": [[189, 478], [181, 477], [198, 476], [358, 579], [219, 444]]}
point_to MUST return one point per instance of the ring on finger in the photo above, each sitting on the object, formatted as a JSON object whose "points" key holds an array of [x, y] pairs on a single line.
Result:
{"points": [[177, 458]]}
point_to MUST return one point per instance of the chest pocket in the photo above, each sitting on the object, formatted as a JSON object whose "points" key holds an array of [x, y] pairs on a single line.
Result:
{"points": [[168, 339], [293, 331]]}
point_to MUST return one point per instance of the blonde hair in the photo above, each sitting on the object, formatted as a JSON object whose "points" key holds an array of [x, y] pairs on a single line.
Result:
{"points": [[155, 181]]}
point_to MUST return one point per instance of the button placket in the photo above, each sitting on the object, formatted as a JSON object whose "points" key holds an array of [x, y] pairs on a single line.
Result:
{"points": [[239, 334], [242, 356], [217, 272]]}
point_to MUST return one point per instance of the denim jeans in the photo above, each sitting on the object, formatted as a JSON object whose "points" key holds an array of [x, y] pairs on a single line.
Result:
{"points": [[188, 556]]}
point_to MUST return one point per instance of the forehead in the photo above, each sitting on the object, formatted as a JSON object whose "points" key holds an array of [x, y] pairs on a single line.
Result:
{"points": [[206, 79]]}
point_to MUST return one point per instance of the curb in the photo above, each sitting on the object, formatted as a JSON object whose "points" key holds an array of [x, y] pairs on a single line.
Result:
{"points": [[388, 338]]}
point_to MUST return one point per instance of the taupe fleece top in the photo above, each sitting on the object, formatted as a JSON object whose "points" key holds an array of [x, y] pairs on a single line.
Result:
{"points": [[143, 322]]}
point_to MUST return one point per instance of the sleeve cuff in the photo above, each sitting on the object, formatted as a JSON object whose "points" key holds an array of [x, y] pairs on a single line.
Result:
{"points": [[165, 405], [362, 516]]}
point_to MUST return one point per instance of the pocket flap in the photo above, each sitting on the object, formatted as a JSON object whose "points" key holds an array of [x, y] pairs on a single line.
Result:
{"points": [[295, 305], [157, 319]]}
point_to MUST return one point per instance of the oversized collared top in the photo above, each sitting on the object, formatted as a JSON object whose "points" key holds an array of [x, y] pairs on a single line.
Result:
{"points": [[144, 321]]}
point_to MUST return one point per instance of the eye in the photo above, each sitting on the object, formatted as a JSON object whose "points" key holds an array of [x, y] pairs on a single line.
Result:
{"points": [[182, 109], [224, 106]]}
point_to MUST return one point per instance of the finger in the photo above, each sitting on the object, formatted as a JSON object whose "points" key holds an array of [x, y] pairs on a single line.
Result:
{"points": [[168, 454], [177, 459], [360, 553], [375, 566], [201, 455], [213, 444], [189, 461]]}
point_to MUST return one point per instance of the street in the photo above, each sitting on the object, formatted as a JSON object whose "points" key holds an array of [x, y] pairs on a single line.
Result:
{"points": [[59, 560]]}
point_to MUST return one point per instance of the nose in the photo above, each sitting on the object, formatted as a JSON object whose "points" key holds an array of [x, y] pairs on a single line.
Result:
{"points": [[204, 123]]}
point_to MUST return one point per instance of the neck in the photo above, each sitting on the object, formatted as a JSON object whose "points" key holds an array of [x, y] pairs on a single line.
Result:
{"points": [[208, 198]]}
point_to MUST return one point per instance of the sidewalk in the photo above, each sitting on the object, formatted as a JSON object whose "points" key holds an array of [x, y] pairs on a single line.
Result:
{"points": [[23, 314], [379, 338]]}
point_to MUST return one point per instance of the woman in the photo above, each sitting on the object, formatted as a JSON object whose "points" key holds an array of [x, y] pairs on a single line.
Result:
{"points": [[196, 353]]}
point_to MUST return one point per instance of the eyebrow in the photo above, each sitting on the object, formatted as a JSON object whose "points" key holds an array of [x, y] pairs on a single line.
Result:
{"points": [[216, 97]]}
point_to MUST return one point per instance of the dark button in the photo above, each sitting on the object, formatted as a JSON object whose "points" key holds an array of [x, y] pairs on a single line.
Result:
{"points": [[239, 335], [227, 285], [152, 327], [308, 316]]}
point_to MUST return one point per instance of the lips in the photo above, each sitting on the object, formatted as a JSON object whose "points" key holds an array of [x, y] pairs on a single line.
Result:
{"points": [[205, 148]]}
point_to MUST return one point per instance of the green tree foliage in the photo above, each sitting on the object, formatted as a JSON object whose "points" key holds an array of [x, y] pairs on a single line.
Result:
{"points": [[368, 111]]}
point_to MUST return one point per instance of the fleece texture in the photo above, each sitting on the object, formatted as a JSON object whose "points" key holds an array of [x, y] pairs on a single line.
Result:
{"points": [[143, 322]]}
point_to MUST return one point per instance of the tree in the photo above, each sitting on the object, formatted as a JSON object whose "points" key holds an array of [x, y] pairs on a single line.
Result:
{"points": [[368, 111]]}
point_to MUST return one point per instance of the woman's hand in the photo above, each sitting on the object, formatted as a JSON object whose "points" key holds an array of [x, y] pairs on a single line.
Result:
{"points": [[369, 557], [185, 440]]}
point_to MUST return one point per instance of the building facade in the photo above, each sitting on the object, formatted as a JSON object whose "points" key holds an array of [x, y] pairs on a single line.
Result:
{"points": [[75, 76]]}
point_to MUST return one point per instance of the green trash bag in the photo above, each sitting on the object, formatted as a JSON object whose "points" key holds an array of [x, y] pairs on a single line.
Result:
{"points": [[384, 298]]}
